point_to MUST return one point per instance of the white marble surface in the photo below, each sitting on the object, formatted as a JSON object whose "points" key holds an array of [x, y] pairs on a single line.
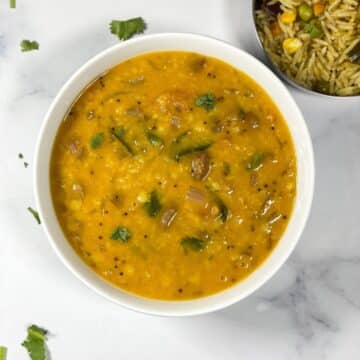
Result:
{"points": [[309, 310]]}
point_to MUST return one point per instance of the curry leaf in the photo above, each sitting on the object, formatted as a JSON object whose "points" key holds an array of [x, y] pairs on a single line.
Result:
{"points": [[153, 205], [121, 234], [119, 134], [125, 29], [192, 149], [154, 139], [223, 209], [192, 243]]}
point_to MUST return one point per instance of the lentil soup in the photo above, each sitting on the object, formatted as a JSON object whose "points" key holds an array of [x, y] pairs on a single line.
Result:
{"points": [[173, 175]]}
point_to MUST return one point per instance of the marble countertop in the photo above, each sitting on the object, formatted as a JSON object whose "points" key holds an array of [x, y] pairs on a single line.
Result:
{"points": [[309, 310]]}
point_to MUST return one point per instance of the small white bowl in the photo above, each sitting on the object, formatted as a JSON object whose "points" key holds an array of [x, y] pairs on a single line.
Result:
{"points": [[210, 47]]}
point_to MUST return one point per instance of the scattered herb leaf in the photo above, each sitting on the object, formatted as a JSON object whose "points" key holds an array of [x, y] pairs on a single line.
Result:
{"points": [[21, 156], [192, 243], [37, 332], [96, 140], [313, 28], [12, 4], [154, 139], [27, 45], [207, 101], [35, 214], [181, 136], [26, 164], [35, 342], [125, 29], [153, 205], [3, 351], [121, 234], [256, 161], [119, 134]]}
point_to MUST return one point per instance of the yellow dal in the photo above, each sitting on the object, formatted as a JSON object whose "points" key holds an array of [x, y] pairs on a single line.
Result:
{"points": [[247, 194]]}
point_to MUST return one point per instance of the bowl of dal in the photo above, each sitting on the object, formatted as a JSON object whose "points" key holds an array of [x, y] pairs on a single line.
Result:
{"points": [[174, 174]]}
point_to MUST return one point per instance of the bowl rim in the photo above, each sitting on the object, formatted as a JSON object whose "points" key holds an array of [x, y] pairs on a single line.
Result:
{"points": [[280, 73], [191, 307]]}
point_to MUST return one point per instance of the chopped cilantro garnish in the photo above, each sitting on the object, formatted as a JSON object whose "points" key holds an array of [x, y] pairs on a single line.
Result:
{"points": [[35, 214], [125, 29], [37, 332], [27, 45], [192, 243], [35, 342], [207, 101], [121, 234], [96, 140], [153, 205], [21, 156]]}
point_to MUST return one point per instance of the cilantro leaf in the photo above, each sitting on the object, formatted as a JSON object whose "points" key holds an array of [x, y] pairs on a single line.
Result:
{"points": [[207, 101], [35, 348], [27, 45], [192, 243], [35, 214], [3, 353], [121, 234], [35, 342], [96, 140], [125, 29], [37, 332], [153, 205]]}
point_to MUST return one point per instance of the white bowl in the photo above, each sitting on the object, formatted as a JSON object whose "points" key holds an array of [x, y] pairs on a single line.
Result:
{"points": [[237, 58]]}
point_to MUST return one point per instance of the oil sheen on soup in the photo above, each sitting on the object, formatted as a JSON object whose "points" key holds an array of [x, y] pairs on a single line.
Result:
{"points": [[173, 175]]}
